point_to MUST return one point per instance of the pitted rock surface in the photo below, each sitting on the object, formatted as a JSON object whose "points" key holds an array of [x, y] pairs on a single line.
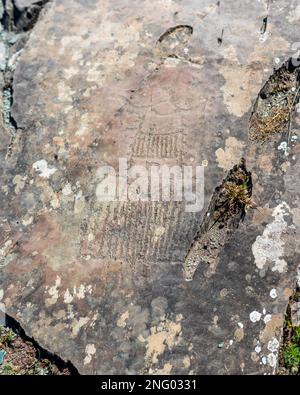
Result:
{"points": [[101, 284]]}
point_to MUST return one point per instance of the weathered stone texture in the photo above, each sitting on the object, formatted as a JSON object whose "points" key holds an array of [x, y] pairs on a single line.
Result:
{"points": [[102, 284]]}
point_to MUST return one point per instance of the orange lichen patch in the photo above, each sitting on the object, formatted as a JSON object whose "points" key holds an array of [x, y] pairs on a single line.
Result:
{"points": [[271, 327]]}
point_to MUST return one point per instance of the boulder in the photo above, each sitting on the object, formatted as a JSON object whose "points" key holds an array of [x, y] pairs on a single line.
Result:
{"points": [[104, 284]]}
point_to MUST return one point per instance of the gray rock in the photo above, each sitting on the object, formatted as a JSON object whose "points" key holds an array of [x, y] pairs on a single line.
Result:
{"points": [[96, 83]]}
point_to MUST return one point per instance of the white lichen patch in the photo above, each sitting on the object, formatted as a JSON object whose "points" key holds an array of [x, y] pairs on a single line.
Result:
{"points": [[77, 292], [272, 360], [19, 183], [83, 126], [77, 324], [269, 248], [55, 203], [41, 166], [81, 292], [294, 15], [267, 318], [68, 298], [70, 312], [257, 349], [93, 320], [6, 248], [64, 92], [273, 345], [5, 189], [27, 220], [70, 72], [67, 190], [186, 362], [90, 350], [255, 316], [121, 322], [91, 237], [53, 292], [273, 293], [158, 233], [283, 146]]}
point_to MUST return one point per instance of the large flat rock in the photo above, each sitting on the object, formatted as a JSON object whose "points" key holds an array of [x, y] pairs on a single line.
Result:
{"points": [[102, 284]]}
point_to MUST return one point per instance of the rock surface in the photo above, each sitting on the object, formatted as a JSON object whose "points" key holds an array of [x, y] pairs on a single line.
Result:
{"points": [[101, 284], [22, 4]]}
